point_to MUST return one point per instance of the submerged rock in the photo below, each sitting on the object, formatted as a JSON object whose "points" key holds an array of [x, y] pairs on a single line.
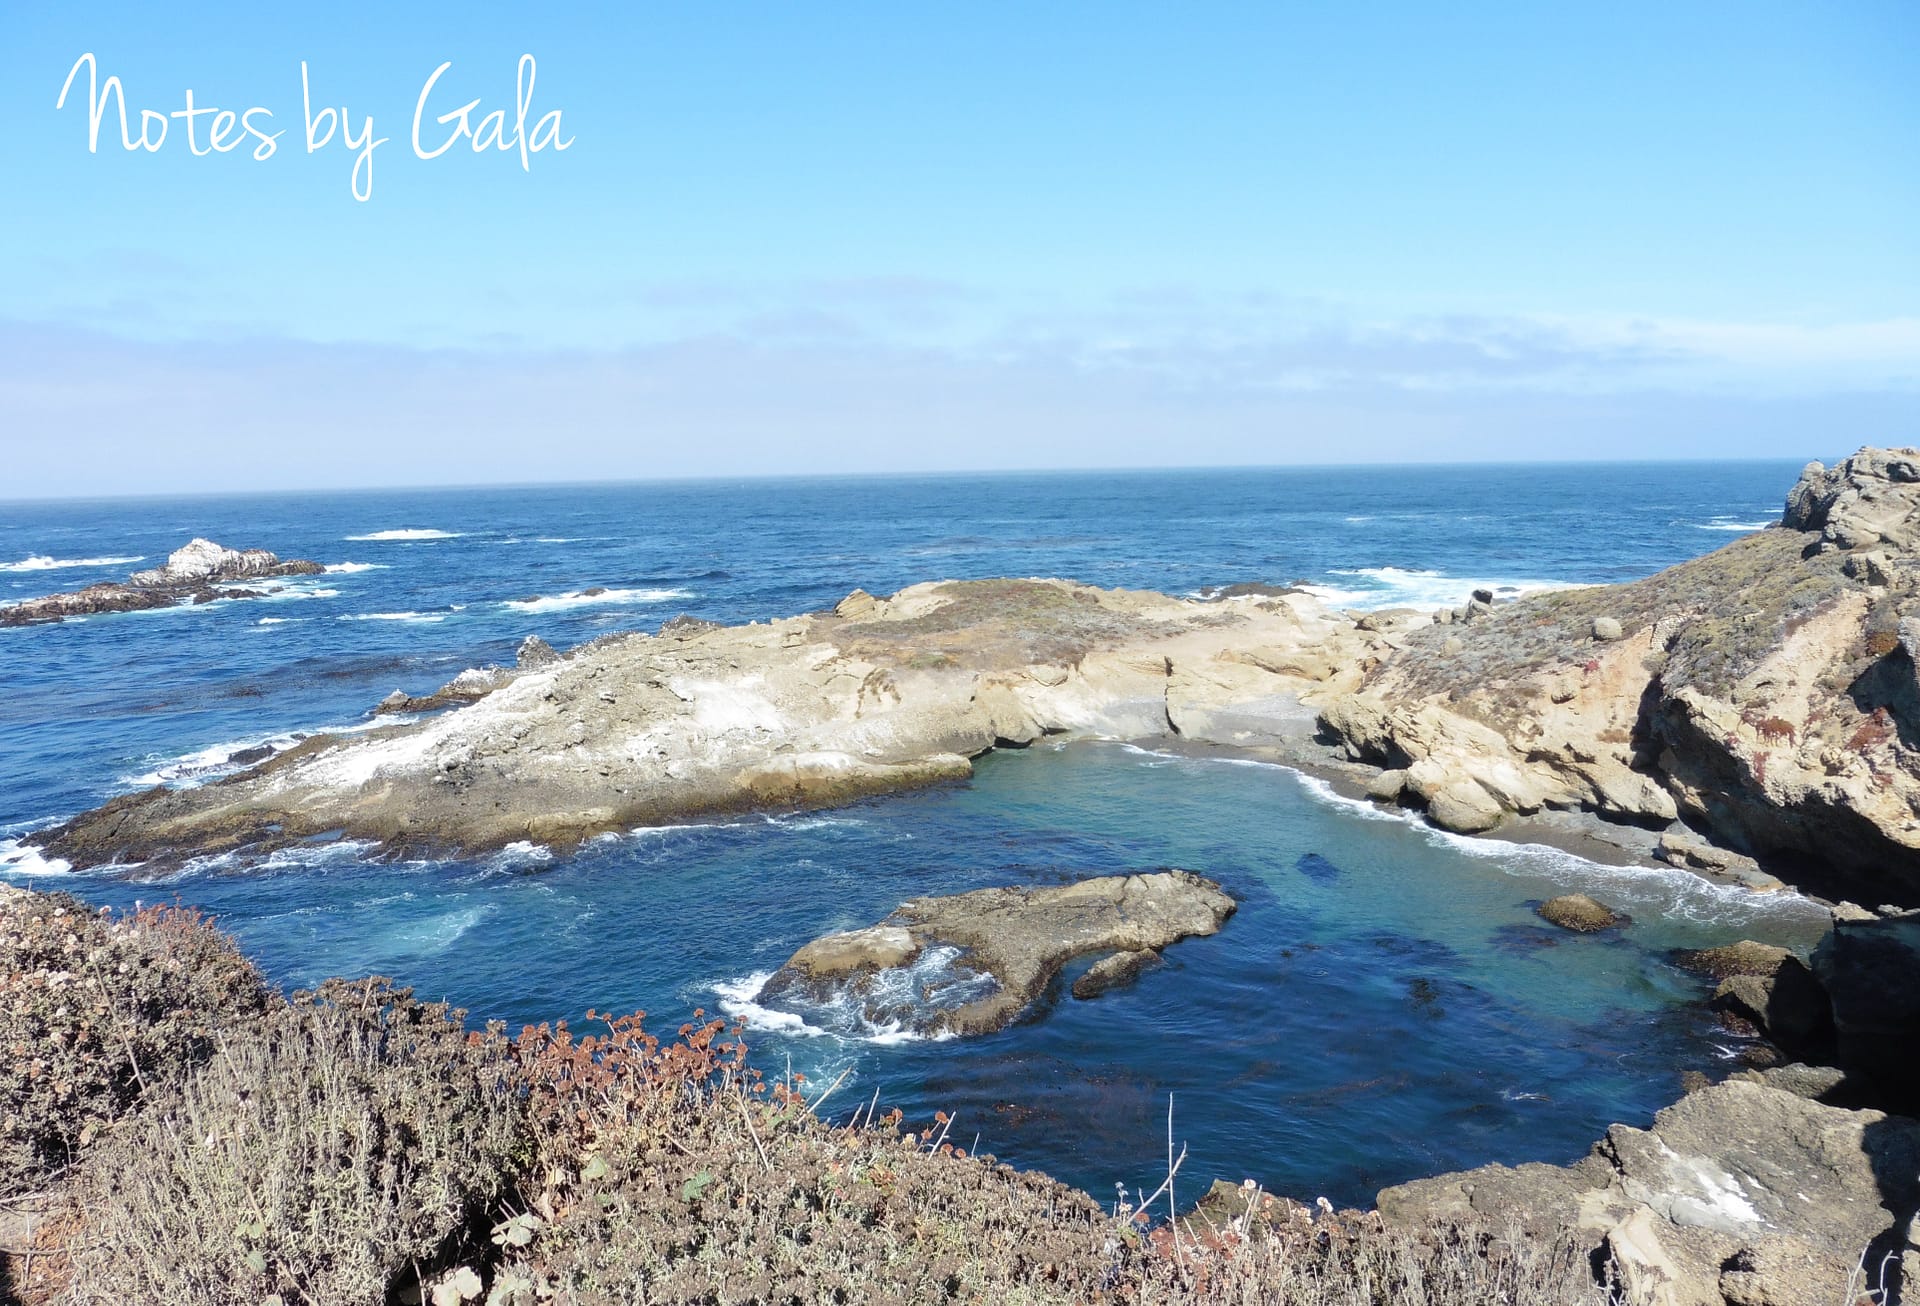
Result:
{"points": [[189, 576], [997, 949], [1578, 912], [1117, 971]]}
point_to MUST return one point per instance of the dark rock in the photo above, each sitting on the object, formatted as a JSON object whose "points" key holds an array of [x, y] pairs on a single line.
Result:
{"points": [[1788, 1008], [1483, 596], [1121, 969], [1578, 912], [1870, 970], [686, 626]]}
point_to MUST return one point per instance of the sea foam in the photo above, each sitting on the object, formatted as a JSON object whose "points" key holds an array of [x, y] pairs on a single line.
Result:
{"points": [[40, 562], [405, 533], [1400, 587], [606, 597]]}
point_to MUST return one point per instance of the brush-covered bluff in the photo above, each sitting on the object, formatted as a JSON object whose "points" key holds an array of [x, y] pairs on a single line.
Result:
{"points": [[1764, 694]]}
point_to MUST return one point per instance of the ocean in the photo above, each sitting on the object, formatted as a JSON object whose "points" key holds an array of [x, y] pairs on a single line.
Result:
{"points": [[1384, 1005]]}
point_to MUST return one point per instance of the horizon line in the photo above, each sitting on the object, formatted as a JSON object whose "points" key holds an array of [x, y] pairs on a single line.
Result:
{"points": [[933, 474]]}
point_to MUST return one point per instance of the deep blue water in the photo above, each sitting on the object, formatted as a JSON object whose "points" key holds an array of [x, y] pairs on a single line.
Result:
{"points": [[1384, 1004]]}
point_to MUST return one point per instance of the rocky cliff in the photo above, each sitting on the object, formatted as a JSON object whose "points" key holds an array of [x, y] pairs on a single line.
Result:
{"points": [[1764, 694]]}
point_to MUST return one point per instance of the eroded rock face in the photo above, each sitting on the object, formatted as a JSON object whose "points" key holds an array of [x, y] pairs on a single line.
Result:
{"points": [[1764, 693], [1871, 498], [190, 576], [996, 950], [1870, 971], [806, 712], [1744, 1193]]}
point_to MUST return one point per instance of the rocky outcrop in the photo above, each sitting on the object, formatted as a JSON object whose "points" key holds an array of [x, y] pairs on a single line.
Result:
{"points": [[1579, 913], [1869, 499], [810, 711], [999, 948], [192, 574], [1764, 694], [1869, 968], [1739, 1195]]}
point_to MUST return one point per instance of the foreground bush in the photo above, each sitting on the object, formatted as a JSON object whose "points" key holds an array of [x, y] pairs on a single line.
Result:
{"points": [[94, 1009], [356, 1146], [357, 1134]]}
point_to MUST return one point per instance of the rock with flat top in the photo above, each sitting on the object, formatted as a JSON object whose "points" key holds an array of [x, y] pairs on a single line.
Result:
{"points": [[1001, 947], [1579, 913]]}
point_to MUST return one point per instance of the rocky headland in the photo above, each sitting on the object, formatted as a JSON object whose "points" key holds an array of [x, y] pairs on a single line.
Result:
{"points": [[194, 573], [1756, 703]]}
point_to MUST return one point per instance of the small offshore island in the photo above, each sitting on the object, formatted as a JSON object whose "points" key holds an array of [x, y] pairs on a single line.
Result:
{"points": [[1752, 716]]}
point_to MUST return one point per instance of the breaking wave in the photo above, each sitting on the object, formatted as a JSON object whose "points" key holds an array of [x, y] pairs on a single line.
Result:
{"points": [[40, 562], [1400, 587], [406, 533], [592, 598]]}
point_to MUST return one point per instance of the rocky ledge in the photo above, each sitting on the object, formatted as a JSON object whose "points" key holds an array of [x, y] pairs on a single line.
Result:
{"points": [[193, 574], [872, 696], [1764, 696], [1741, 1194], [993, 951]]}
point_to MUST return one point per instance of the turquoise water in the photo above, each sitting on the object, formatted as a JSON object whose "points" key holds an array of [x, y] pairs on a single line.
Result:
{"points": [[1384, 1004]]}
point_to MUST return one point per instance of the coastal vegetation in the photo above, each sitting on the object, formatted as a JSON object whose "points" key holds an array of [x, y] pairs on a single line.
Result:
{"points": [[178, 1132]]}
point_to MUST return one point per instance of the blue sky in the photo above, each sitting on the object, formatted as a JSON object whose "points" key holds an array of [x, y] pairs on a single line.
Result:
{"points": [[794, 238]]}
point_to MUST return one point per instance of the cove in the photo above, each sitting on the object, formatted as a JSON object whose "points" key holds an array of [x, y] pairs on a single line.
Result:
{"points": [[1384, 1004]]}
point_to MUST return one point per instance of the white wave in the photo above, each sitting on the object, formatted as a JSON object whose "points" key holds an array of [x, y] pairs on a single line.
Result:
{"points": [[189, 770], [1357, 520], [1661, 890], [1400, 587], [1665, 890], [18, 859], [350, 567], [1727, 524], [426, 617], [812, 822], [583, 599], [41, 562], [278, 621], [406, 533], [739, 999]]}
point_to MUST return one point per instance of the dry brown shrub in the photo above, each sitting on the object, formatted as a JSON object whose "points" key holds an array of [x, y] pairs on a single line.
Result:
{"points": [[95, 1009], [351, 1136]]}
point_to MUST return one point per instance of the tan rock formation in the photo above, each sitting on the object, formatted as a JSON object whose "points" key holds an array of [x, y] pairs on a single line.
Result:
{"points": [[804, 712]]}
